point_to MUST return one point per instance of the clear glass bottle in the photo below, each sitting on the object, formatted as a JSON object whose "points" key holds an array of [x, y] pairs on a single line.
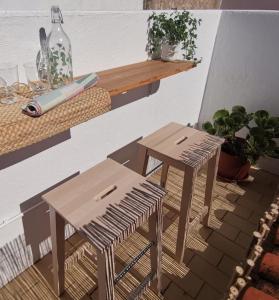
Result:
{"points": [[60, 70]]}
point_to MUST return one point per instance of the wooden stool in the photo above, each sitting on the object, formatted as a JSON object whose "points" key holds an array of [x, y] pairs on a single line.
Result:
{"points": [[105, 205], [186, 149]]}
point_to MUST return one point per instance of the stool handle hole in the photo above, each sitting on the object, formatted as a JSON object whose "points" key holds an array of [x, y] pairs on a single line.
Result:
{"points": [[103, 194], [181, 140]]}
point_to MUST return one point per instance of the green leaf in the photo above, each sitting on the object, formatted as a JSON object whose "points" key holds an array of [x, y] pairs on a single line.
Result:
{"points": [[222, 113], [273, 122], [258, 133], [208, 127], [262, 114], [239, 109]]}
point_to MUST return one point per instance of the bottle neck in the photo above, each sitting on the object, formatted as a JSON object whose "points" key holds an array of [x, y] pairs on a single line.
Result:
{"points": [[57, 27]]}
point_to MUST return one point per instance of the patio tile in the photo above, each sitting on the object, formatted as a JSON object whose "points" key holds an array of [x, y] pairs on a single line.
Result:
{"points": [[244, 240], [209, 273], [239, 223], [189, 283], [227, 230], [255, 217], [226, 246], [208, 293], [251, 200], [227, 265], [174, 292], [206, 251]]}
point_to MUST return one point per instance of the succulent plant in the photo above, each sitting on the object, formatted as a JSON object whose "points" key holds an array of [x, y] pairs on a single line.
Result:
{"points": [[259, 141]]}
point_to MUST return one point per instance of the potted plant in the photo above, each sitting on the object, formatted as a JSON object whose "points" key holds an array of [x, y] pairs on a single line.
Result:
{"points": [[172, 35], [238, 153]]}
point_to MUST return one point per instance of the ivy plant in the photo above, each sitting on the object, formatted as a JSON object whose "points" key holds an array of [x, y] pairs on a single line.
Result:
{"points": [[174, 28], [261, 129]]}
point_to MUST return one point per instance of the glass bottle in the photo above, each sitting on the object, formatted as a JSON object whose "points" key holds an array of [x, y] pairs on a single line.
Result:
{"points": [[60, 70]]}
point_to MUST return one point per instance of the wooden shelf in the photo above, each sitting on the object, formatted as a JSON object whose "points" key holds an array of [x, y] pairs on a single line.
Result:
{"points": [[116, 81], [123, 79]]}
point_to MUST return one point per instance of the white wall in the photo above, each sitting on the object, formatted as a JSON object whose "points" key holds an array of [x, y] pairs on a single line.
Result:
{"points": [[245, 65], [100, 40], [104, 5]]}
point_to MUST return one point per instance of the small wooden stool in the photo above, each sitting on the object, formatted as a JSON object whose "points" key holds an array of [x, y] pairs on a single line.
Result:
{"points": [[186, 149], [105, 205]]}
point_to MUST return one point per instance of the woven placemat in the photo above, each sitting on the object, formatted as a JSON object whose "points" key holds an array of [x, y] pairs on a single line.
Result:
{"points": [[18, 130]]}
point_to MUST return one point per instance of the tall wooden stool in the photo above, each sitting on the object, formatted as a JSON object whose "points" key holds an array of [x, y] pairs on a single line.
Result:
{"points": [[105, 205], [186, 149]]}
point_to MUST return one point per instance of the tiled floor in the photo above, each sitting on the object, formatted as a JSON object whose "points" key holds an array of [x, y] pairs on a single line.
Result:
{"points": [[209, 260]]}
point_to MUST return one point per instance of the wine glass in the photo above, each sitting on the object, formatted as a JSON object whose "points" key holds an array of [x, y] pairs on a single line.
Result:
{"points": [[8, 83], [32, 75]]}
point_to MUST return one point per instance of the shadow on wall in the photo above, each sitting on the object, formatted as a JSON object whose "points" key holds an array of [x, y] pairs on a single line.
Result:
{"points": [[14, 157], [36, 221], [134, 95]]}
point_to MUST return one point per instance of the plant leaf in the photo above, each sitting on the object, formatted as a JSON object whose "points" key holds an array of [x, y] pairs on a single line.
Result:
{"points": [[222, 113], [239, 109]]}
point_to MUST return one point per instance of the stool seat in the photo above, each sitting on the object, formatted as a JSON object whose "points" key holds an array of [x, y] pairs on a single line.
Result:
{"points": [[188, 150], [181, 145], [106, 204]]}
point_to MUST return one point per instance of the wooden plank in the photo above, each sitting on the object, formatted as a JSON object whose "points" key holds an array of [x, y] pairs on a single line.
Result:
{"points": [[212, 169], [122, 79], [57, 225], [185, 210]]}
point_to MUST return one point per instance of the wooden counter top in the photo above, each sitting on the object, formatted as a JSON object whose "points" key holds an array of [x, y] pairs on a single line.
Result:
{"points": [[122, 79]]}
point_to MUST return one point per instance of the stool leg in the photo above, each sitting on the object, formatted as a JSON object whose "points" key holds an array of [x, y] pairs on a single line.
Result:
{"points": [[142, 160], [210, 182], [164, 174], [106, 271], [184, 214], [155, 234], [57, 227]]}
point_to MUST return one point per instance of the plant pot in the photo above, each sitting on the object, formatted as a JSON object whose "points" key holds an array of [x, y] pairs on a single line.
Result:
{"points": [[232, 168], [170, 52]]}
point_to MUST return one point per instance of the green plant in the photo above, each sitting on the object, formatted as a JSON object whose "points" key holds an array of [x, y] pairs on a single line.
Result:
{"points": [[261, 129], [173, 28]]}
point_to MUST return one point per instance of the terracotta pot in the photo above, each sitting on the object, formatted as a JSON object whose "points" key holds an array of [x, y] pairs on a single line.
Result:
{"points": [[232, 168], [254, 294]]}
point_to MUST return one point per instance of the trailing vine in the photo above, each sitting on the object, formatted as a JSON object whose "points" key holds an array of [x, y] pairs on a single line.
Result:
{"points": [[174, 28]]}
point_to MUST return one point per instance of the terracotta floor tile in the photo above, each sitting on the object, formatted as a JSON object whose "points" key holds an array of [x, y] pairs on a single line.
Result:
{"points": [[189, 283], [227, 230], [244, 240], [226, 246], [175, 293], [209, 273], [208, 293], [240, 223], [227, 265]]}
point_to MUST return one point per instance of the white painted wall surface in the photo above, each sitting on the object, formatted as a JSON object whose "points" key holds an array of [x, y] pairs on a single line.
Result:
{"points": [[100, 40], [104, 5], [245, 65]]}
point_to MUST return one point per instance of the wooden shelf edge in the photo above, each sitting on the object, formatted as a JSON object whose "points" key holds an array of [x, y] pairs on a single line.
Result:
{"points": [[122, 79]]}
